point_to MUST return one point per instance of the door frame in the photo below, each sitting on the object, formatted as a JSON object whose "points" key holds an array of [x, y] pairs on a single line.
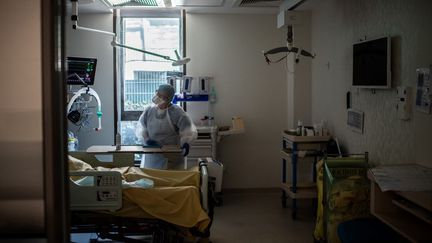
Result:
{"points": [[56, 191]]}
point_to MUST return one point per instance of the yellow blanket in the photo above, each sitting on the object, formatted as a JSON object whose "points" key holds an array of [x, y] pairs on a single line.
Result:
{"points": [[175, 197]]}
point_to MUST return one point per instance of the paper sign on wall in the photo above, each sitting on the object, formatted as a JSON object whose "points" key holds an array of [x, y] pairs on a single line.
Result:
{"points": [[424, 90]]}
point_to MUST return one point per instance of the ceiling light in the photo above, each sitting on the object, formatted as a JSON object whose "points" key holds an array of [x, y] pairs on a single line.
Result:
{"points": [[136, 3]]}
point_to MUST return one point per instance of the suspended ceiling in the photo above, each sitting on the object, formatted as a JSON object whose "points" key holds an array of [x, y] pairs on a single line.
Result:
{"points": [[198, 6]]}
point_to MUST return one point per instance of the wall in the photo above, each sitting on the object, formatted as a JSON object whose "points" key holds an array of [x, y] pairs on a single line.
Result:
{"points": [[89, 44], [228, 48], [335, 26], [21, 141]]}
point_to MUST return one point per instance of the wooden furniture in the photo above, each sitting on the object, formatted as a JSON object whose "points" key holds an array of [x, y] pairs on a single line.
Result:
{"points": [[310, 146], [408, 213]]}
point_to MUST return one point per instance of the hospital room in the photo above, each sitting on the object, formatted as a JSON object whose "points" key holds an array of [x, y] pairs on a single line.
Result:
{"points": [[224, 121]]}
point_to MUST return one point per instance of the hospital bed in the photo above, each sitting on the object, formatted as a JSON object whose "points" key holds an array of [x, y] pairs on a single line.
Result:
{"points": [[102, 205]]}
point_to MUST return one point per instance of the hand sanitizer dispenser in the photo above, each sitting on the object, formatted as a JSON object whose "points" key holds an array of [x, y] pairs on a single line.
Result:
{"points": [[172, 81], [203, 85], [186, 84]]}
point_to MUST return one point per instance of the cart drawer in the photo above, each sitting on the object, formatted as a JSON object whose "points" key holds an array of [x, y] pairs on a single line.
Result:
{"points": [[200, 151], [200, 142]]}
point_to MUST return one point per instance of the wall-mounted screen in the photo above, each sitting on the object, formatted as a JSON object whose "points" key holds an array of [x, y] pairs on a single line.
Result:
{"points": [[81, 70], [372, 64]]}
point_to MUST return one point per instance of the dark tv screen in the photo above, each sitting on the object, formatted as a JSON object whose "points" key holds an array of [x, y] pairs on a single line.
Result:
{"points": [[371, 67]]}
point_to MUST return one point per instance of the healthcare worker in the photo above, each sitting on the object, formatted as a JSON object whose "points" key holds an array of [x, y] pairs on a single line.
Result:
{"points": [[163, 123]]}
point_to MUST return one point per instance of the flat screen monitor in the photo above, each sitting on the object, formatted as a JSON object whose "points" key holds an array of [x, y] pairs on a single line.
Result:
{"points": [[372, 64], [85, 68]]}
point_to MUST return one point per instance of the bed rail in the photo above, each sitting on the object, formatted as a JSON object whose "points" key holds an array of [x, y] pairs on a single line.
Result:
{"points": [[95, 190], [204, 184]]}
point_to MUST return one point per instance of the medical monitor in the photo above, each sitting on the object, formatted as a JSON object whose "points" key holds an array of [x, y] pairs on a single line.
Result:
{"points": [[372, 64], [85, 68]]}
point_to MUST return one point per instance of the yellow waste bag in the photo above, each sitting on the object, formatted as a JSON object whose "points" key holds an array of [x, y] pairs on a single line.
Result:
{"points": [[319, 225]]}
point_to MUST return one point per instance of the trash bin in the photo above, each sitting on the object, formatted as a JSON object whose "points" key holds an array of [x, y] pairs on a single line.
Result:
{"points": [[346, 192]]}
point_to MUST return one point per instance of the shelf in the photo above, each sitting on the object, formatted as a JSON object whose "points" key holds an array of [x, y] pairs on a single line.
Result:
{"points": [[404, 216], [230, 132], [417, 211], [190, 98], [306, 139], [422, 199], [287, 153], [406, 225], [304, 191]]}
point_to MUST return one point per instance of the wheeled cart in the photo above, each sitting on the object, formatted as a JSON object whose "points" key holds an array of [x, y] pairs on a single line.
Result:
{"points": [[310, 146]]}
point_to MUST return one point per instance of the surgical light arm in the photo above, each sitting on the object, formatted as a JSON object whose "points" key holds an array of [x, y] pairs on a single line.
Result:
{"points": [[74, 18], [174, 62], [75, 25]]}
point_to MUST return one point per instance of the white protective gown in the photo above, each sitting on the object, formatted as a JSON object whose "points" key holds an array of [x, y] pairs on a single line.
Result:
{"points": [[171, 126]]}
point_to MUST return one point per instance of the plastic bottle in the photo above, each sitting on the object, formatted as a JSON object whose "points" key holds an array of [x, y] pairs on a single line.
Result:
{"points": [[72, 141], [323, 128], [299, 128], [212, 95], [211, 121], [118, 141]]}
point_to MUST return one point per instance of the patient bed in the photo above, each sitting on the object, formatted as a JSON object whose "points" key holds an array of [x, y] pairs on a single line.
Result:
{"points": [[176, 208]]}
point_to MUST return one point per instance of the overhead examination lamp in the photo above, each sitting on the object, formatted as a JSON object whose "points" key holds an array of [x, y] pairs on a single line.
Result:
{"points": [[178, 62], [287, 49], [114, 43]]}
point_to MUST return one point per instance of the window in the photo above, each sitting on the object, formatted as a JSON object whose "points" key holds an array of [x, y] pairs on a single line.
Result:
{"points": [[141, 74]]}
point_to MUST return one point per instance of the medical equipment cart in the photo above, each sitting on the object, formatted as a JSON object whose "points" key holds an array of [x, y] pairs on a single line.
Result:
{"points": [[292, 146], [204, 146]]}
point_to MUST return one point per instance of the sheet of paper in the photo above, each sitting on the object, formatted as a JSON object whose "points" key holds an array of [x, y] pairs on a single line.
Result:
{"points": [[403, 178], [424, 90]]}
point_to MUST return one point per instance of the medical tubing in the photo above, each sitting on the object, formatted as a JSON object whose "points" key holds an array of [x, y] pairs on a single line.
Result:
{"points": [[99, 122], [99, 111], [87, 90]]}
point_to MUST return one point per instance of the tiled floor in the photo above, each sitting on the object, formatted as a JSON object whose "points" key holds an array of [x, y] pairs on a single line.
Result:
{"points": [[255, 218], [259, 218]]}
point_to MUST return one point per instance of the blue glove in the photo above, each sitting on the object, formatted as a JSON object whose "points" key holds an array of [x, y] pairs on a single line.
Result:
{"points": [[185, 149], [151, 143]]}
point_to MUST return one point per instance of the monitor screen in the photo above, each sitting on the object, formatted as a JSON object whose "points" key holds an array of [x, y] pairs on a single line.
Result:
{"points": [[84, 68], [371, 64]]}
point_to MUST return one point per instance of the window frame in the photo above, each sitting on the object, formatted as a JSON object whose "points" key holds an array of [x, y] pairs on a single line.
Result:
{"points": [[139, 13]]}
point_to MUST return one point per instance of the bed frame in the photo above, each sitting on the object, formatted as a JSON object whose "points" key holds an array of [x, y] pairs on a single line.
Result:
{"points": [[105, 193]]}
